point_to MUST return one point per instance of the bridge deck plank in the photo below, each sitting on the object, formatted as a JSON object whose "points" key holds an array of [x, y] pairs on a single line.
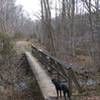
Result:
{"points": [[44, 81]]}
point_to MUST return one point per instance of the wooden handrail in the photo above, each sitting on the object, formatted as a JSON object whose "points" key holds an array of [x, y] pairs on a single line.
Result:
{"points": [[66, 71]]}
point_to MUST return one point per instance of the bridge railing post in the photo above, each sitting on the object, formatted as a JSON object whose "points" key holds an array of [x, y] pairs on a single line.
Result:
{"points": [[70, 85], [73, 78]]}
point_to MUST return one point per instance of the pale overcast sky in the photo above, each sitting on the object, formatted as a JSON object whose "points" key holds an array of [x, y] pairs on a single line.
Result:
{"points": [[30, 6]]}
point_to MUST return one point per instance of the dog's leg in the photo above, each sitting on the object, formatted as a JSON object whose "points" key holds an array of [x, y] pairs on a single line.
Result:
{"points": [[60, 93], [57, 93], [68, 94], [64, 95]]}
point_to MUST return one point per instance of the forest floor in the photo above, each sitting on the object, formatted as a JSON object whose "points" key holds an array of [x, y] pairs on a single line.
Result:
{"points": [[22, 84], [23, 90], [88, 78]]}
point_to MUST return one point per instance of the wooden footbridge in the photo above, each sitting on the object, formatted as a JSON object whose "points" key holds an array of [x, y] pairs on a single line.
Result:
{"points": [[45, 67]]}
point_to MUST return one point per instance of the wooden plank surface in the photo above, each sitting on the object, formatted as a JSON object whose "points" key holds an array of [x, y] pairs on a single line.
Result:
{"points": [[44, 81]]}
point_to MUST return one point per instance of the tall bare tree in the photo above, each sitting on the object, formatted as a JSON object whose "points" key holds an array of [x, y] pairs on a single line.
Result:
{"points": [[46, 20]]}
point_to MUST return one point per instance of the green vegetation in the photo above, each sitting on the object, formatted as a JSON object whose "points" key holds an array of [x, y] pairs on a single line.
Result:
{"points": [[6, 45]]}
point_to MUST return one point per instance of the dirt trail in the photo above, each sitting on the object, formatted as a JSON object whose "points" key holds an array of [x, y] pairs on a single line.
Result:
{"points": [[22, 46]]}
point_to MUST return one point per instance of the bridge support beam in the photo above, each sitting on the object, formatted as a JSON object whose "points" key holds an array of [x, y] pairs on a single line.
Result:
{"points": [[44, 81]]}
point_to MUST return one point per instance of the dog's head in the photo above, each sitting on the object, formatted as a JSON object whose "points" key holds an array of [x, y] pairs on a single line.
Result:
{"points": [[54, 81]]}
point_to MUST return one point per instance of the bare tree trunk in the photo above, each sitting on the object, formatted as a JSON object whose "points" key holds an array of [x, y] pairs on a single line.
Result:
{"points": [[72, 27], [46, 16], [94, 44], [97, 32]]}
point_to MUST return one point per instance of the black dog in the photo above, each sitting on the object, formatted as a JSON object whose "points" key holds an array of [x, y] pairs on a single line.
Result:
{"points": [[60, 87]]}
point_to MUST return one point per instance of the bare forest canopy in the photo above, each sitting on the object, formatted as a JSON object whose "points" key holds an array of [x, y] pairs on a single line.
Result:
{"points": [[73, 34], [13, 19]]}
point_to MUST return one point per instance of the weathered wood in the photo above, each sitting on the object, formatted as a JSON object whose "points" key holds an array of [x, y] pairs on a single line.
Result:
{"points": [[72, 76], [59, 73], [44, 81], [60, 67]]}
